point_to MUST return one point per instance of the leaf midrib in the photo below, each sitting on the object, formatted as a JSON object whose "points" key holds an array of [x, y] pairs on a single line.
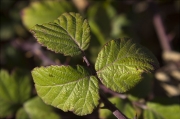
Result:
{"points": [[48, 28], [70, 35], [68, 32], [109, 65], [59, 25], [65, 83]]}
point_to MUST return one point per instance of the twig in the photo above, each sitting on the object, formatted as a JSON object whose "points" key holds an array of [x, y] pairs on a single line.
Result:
{"points": [[161, 33], [122, 96], [35, 49], [143, 106], [157, 21], [87, 62], [116, 112]]}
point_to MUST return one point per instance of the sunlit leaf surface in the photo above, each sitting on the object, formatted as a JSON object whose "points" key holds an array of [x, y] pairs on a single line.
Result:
{"points": [[67, 88], [69, 34], [121, 63]]}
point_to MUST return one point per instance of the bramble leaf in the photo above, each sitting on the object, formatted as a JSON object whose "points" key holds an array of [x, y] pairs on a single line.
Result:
{"points": [[121, 63], [43, 12], [67, 88], [36, 109], [162, 108], [21, 114], [69, 34], [15, 89]]}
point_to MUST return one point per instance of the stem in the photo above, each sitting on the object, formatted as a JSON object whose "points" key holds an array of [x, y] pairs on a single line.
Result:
{"points": [[116, 112], [87, 62], [161, 33], [122, 96], [159, 27], [35, 49]]}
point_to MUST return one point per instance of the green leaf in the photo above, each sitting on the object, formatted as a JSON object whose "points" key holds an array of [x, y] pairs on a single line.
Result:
{"points": [[123, 105], [120, 24], [100, 16], [121, 63], [67, 88], [69, 34], [21, 114], [14, 90], [43, 12], [162, 108], [36, 109]]}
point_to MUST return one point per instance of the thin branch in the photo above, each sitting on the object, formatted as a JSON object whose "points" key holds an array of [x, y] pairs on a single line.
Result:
{"points": [[35, 49], [158, 24], [116, 112], [143, 106], [87, 62], [122, 96], [161, 32]]}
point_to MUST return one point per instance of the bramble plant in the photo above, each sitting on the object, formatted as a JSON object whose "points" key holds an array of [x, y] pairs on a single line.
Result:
{"points": [[119, 66], [90, 74]]}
